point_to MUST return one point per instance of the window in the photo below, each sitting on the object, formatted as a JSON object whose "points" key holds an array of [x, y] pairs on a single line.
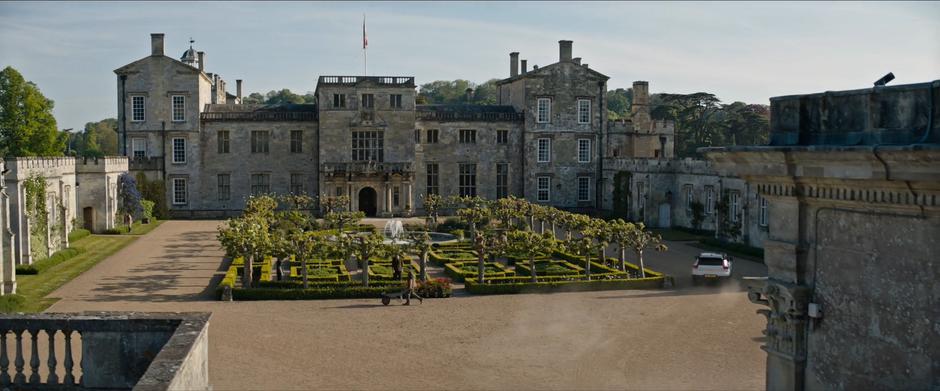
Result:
{"points": [[367, 146], [339, 101], [225, 187], [433, 181], [396, 195], [544, 193], [179, 191], [468, 180], [545, 150], [394, 101], [296, 141], [368, 101], [468, 136], [259, 141], [709, 200], [584, 188], [733, 201], [179, 150], [260, 183], [432, 136], [762, 217], [502, 180], [137, 108], [223, 141], [139, 146], [502, 136], [544, 113], [584, 150], [417, 136], [689, 199], [296, 183], [179, 108], [339, 191], [584, 111]]}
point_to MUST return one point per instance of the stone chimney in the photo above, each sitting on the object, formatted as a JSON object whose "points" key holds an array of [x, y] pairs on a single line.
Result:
{"points": [[525, 67], [564, 50], [202, 61], [469, 94], [238, 90], [640, 109], [156, 44], [577, 60], [513, 64]]}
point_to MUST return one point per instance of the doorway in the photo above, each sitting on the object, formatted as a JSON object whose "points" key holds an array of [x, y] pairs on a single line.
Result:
{"points": [[665, 215], [88, 218], [368, 199]]}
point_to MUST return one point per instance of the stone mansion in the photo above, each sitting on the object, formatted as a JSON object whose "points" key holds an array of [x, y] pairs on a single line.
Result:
{"points": [[547, 139]]}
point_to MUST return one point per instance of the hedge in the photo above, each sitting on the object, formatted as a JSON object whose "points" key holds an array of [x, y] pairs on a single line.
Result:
{"points": [[462, 270], [379, 272], [445, 256], [294, 284], [521, 285], [46, 263], [350, 292], [558, 268], [322, 272], [519, 258], [120, 230], [78, 233]]}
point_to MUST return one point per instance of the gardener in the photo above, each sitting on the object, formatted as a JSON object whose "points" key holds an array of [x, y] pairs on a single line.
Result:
{"points": [[396, 267], [412, 286]]}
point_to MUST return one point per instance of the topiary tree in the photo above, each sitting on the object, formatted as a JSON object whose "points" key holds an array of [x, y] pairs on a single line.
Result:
{"points": [[642, 240], [621, 232], [129, 199], [421, 242], [475, 215], [246, 236], [529, 244], [369, 245], [333, 204], [433, 204], [287, 225]]}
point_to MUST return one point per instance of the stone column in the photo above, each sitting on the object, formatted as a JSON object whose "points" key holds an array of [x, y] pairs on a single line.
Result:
{"points": [[7, 256], [388, 199], [409, 203]]}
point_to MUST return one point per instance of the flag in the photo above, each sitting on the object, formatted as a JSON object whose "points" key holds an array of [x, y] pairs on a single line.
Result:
{"points": [[365, 39]]}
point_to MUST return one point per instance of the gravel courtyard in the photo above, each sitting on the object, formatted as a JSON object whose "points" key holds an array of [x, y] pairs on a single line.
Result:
{"points": [[686, 338]]}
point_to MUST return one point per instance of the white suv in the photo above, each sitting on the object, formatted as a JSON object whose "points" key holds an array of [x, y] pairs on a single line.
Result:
{"points": [[711, 267]]}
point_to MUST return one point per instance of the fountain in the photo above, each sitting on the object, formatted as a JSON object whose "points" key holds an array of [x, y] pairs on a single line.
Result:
{"points": [[394, 232]]}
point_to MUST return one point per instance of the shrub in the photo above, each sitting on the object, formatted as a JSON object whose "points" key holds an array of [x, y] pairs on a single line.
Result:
{"points": [[148, 206], [321, 272], [12, 303], [78, 233], [450, 224], [461, 270], [119, 230], [44, 264], [511, 285], [438, 287], [443, 256], [547, 267]]}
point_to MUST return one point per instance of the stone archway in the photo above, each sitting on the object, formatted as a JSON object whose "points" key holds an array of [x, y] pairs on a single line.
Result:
{"points": [[368, 201]]}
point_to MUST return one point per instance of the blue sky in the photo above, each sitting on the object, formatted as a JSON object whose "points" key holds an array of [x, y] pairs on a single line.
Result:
{"points": [[736, 50]]}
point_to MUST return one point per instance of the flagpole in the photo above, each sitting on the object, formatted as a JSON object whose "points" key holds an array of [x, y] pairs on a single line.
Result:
{"points": [[365, 44]]}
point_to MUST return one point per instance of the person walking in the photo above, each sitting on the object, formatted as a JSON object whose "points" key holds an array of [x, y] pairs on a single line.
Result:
{"points": [[396, 268], [412, 286]]}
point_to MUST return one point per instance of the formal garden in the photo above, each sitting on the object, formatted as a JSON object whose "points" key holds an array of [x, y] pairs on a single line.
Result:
{"points": [[282, 248]]}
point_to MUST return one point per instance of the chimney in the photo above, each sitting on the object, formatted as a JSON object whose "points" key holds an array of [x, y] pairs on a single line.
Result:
{"points": [[202, 61], [238, 90], [469, 94], [640, 110], [513, 64], [564, 50], [577, 60], [584, 65], [525, 67], [156, 44]]}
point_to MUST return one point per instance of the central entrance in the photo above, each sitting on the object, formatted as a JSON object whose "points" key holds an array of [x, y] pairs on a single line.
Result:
{"points": [[368, 199]]}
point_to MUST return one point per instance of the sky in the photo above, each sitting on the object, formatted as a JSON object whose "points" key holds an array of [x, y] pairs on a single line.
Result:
{"points": [[739, 51]]}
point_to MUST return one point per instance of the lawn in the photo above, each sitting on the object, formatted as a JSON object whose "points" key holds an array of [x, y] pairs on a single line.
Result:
{"points": [[143, 229], [34, 288]]}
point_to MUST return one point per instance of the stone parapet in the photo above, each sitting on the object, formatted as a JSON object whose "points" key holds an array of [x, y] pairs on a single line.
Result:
{"points": [[106, 164], [663, 166], [22, 167]]}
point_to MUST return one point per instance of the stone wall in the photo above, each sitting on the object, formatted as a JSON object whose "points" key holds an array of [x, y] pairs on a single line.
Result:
{"points": [[59, 173], [97, 199]]}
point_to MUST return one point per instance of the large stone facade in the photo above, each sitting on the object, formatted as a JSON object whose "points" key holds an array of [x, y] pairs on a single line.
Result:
{"points": [[547, 139], [854, 186], [77, 193]]}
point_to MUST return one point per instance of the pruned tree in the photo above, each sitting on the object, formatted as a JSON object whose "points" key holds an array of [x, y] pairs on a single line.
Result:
{"points": [[530, 245]]}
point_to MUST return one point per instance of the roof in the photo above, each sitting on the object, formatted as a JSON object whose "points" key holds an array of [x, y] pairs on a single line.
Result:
{"points": [[263, 108], [259, 112], [551, 66], [124, 69]]}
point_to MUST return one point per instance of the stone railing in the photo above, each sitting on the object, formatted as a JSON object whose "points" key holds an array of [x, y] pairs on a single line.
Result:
{"points": [[398, 81], [444, 116], [366, 168], [259, 116], [114, 350]]}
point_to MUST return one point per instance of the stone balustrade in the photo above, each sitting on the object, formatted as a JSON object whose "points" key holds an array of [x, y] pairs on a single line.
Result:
{"points": [[367, 168], [106, 350], [401, 81]]}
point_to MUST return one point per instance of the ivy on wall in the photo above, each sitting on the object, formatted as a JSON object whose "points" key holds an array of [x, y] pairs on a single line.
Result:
{"points": [[621, 193], [38, 213]]}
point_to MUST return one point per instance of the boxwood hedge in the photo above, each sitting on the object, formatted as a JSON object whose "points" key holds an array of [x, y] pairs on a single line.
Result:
{"points": [[461, 270], [552, 267]]}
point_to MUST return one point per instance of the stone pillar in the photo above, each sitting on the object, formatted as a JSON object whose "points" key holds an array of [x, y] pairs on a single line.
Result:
{"points": [[7, 256], [409, 203], [388, 199]]}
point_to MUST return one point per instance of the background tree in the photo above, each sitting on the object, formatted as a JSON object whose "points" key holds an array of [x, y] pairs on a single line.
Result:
{"points": [[530, 245], [27, 127], [455, 92], [618, 103], [96, 140]]}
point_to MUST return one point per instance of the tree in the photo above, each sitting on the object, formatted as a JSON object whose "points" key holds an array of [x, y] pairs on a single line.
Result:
{"points": [[287, 227], [253, 98], [421, 241], [333, 204], [129, 203], [433, 204], [475, 216], [642, 240], [619, 103], [98, 139], [455, 92], [529, 244], [621, 232], [307, 245], [369, 245], [248, 237], [27, 127]]}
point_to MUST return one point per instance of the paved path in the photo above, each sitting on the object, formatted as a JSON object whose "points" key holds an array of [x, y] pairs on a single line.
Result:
{"points": [[689, 338]]}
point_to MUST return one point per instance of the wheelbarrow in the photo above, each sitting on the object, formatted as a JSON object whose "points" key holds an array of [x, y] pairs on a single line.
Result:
{"points": [[400, 295]]}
